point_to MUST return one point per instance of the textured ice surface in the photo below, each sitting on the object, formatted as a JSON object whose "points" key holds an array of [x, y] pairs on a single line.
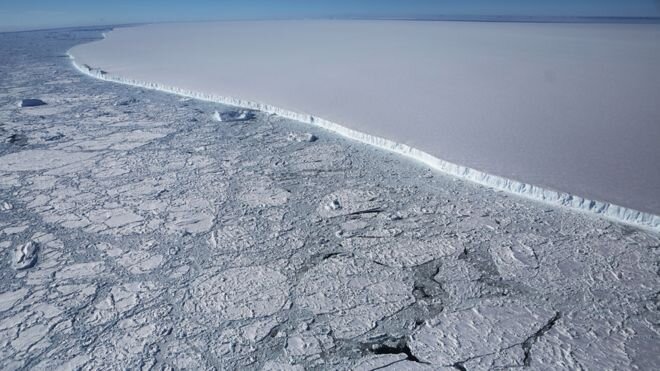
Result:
{"points": [[168, 240], [41, 159], [565, 107]]}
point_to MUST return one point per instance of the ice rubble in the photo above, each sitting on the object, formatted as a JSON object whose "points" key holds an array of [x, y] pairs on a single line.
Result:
{"points": [[604, 209]]}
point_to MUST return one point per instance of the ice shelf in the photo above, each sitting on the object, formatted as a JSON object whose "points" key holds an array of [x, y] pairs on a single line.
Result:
{"points": [[414, 137]]}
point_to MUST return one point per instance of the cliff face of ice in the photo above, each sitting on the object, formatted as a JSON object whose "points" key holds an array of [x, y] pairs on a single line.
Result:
{"points": [[566, 107], [556, 198]]}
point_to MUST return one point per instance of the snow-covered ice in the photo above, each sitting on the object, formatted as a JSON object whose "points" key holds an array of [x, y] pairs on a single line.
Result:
{"points": [[564, 107], [138, 232]]}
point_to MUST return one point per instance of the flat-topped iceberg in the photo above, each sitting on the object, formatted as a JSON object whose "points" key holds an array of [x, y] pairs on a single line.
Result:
{"points": [[561, 113]]}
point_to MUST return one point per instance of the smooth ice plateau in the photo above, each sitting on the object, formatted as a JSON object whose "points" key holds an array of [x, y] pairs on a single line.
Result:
{"points": [[564, 114]]}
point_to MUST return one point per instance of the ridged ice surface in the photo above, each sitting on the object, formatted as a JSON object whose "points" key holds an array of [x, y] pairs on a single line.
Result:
{"points": [[139, 232], [561, 113]]}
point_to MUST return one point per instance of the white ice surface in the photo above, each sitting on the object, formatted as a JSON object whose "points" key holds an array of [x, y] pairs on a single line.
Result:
{"points": [[573, 108]]}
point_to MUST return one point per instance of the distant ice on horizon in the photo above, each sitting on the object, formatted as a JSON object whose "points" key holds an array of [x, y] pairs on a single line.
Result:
{"points": [[570, 107]]}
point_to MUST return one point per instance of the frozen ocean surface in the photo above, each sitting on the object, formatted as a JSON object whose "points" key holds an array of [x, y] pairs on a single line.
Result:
{"points": [[568, 107], [138, 231]]}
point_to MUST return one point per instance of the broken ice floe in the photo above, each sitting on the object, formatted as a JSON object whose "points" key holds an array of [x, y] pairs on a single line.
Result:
{"points": [[516, 259], [121, 140], [239, 293], [488, 328], [307, 345], [260, 195], [122, 298], [192, 216], [359, 294], [349, 202], [78, 271], [392, 362], [140, 262], [9, 298], [401, 251], [38, 159], [320, 158]]}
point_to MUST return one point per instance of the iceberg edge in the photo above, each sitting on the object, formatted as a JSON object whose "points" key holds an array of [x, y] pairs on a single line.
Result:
{"points": [[613, 212]]}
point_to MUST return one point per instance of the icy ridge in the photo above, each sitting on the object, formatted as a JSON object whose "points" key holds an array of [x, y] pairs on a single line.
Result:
{"points": [[556, 198]]}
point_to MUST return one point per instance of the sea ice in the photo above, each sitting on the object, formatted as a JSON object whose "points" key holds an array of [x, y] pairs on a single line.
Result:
{"points": [[167, 240]]}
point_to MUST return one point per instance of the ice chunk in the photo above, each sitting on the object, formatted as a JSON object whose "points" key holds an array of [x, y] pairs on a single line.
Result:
{"points": [[302, 137], [217, 117], [26, 255], [237, 115], [31, 103]]}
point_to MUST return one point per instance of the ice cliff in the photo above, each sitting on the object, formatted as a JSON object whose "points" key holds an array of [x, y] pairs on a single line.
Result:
{"points": [[549, 196]]}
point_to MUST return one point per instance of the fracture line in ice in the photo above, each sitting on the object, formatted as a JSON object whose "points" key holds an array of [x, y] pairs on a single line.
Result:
{"points": [[604, 209]]}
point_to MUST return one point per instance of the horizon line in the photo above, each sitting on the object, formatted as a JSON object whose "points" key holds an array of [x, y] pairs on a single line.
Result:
{"points": [[432, 18]]}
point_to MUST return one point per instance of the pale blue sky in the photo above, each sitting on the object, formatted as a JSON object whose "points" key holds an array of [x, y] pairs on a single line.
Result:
{"points": [[27, 14]]}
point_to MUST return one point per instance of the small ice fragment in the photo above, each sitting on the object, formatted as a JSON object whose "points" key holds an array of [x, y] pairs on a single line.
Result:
{"points": [[302, 137], [31, 103], [396, 216], [239, 115], [333, 205], [6, 206], [217, 117], [125, 102], [25, 256]]}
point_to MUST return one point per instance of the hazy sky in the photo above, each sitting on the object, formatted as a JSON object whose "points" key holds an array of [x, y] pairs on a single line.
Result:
{"points": [[27, 14]]}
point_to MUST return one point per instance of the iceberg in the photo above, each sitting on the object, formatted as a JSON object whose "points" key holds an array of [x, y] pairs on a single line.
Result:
{"points": [[561, 114]]}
